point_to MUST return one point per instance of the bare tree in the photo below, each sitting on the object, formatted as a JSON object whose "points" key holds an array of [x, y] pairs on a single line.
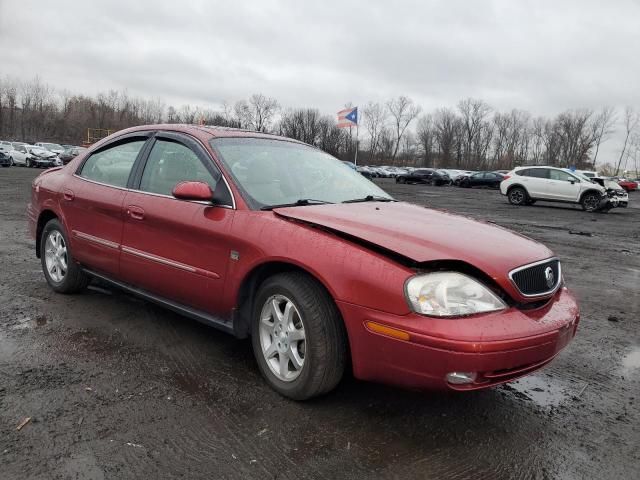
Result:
{"points": [[262, 111], [426, 134], [446, 126], [473, 113], [374, 117], [631, 120], [603, 126], [403, 111]]}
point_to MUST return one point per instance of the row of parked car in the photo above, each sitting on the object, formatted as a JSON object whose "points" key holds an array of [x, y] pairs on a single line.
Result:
{"points": [[526, 185], [41, 154]]}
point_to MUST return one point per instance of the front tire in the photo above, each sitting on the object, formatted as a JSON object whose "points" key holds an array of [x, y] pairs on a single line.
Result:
{"points": [[27, 163], [61, 271], [298, 337], [590, 202], [517, 196]]}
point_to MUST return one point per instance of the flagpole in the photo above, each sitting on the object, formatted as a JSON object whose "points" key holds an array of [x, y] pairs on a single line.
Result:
{"points": [[355, 160]]}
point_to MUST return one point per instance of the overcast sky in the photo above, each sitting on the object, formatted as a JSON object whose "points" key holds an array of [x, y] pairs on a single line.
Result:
{"points": [[543, 56]]}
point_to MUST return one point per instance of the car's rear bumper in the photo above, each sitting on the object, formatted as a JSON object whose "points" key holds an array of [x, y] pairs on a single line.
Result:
{"points": [[424, 360]]}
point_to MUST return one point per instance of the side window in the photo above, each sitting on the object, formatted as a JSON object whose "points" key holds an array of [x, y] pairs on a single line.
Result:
{"points": [[539, 172], [112, 165], [170, 163], [562, 176]]}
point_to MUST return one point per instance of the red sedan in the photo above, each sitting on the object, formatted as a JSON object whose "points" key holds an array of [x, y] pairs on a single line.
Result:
{"points": [[270, 238], [628, 185]]}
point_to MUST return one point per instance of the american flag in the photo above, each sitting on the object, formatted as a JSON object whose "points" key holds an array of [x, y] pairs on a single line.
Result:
{"points": [[348, 117]]}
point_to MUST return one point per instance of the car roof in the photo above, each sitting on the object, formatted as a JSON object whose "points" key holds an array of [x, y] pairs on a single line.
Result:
{"points": [[213, 130]]}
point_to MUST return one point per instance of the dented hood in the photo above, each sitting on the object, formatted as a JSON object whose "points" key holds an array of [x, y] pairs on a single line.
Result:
{"points": [[423, 234]]}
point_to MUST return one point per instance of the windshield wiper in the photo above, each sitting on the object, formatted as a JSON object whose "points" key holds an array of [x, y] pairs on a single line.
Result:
{"points": [[370, 198], [298, 203]]}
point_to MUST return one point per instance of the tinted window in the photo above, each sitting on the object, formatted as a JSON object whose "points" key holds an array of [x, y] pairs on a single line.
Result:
{"points": [[538, 172], [170, 163], [560, 175], [112, 165]]}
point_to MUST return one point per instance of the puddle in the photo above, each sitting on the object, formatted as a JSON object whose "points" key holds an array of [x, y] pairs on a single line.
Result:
{"points": [[541, 390], [631, 361]]}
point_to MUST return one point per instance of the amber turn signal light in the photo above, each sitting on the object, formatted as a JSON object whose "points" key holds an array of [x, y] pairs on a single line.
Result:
{"points": [[387, 331]]}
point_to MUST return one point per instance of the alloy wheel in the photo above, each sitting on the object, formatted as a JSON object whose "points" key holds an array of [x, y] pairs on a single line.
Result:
{"points": [[55, 256], [282, 338], [516, 196], [591, 202]]}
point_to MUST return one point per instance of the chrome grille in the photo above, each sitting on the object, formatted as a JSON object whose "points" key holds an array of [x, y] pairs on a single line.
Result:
{"points": [[540, 278]]}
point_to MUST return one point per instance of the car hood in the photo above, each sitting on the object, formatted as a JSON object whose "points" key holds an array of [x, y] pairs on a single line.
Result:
{"points": [[423, 234]]}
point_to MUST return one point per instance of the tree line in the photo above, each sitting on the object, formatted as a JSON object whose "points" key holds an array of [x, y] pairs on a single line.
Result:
{"points": [[472, 135]]}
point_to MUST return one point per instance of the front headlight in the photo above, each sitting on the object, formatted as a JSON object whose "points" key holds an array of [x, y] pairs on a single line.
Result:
{"points": [[450, 294]]}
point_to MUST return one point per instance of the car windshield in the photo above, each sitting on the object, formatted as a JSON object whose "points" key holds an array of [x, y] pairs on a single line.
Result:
{"points": [[51, 145], [276, 172]]}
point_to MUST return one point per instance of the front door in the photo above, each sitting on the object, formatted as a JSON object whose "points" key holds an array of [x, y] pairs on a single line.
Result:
{"points": [[174, 248], [563, 185]]}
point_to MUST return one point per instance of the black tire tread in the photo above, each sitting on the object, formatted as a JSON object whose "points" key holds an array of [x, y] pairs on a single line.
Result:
{"points": [[75, 280], [323, 320]]}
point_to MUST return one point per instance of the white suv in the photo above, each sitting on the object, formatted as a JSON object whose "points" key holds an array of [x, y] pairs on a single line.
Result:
{"points": [[525, 185]]}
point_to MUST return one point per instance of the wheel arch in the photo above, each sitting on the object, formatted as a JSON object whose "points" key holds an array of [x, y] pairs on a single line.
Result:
{"points": [[515, 185], [244, 303], [43, 218]]}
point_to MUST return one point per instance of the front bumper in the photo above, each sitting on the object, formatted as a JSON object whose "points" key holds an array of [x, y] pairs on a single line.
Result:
{"points": [[498, 347]]}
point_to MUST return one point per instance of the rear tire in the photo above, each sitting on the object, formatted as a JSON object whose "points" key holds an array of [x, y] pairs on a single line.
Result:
{"points": [[401, 180], [517, 196], [60, 269], [311, 363]]}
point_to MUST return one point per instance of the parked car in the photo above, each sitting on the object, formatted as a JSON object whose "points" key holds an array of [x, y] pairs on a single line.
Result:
{"points": [[365, 171], [70, 153], [32, 156], [481, 179], [351, 165], [628, 185], [526, 185], [615, 192], [424, 175], [276, 240], [52, 147], [5, 158]]}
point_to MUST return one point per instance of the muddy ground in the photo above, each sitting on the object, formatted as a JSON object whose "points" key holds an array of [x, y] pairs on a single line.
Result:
{"points": [[119, 388]]}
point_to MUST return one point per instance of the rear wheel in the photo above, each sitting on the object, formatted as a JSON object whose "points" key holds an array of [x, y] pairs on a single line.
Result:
{"points": [[60, 269], [298, 336], [590, 202], [517, 196], [401, 180]]}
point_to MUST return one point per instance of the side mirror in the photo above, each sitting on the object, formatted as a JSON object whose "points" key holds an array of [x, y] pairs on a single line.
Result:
{"points": [[193, 191], [573, 182]]}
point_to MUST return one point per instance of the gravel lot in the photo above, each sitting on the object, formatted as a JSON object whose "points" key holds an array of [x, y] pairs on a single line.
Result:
{"points": [[119, 388]]}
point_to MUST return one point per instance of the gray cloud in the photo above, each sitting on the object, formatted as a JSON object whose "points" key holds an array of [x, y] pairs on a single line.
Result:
{"points": [[543, 56]]}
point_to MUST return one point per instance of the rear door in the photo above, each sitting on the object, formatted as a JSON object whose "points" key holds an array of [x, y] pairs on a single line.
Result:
{"points": [[92, 203], [563, 185], [536, 181], [177, 249]]}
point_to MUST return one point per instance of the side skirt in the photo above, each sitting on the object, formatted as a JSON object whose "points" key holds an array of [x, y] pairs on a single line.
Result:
{"points": [[200, 316]]}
